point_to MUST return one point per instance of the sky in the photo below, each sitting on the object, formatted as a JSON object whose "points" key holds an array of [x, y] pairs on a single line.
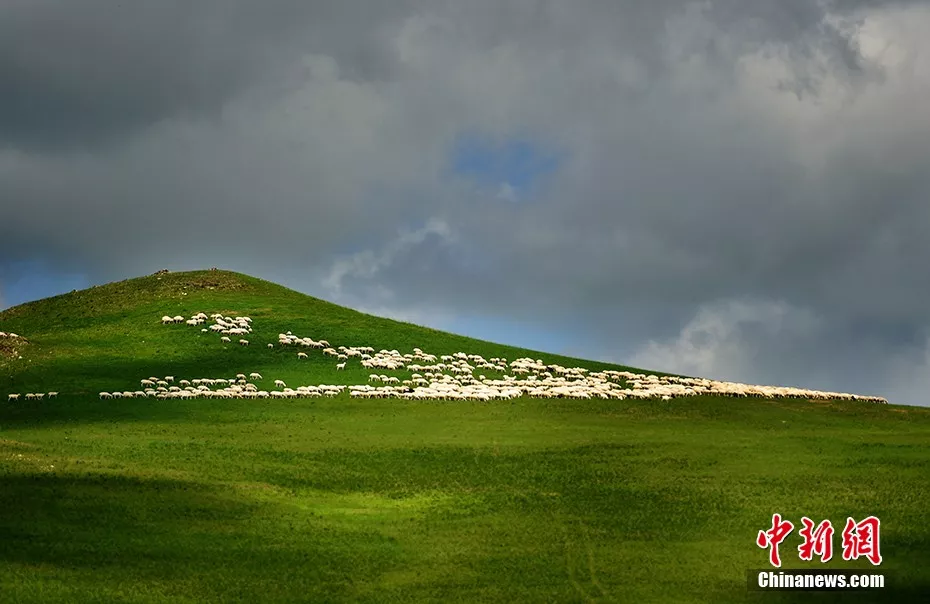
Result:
{"points": [[737, 189]]}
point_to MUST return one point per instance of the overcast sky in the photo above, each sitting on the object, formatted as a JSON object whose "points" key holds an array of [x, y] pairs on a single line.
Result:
{"points": [[738, 189]]}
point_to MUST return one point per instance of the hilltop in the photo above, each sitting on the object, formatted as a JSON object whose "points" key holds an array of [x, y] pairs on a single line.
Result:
{"points": [[94, 337], [98, 338]]}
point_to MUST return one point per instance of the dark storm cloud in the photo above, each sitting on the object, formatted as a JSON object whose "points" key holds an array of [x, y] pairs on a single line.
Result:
{"points": [[76, 74], [740, 187]]}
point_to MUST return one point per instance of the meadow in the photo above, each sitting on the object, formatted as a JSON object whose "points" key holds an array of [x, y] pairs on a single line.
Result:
{"points": [[387, 500]]}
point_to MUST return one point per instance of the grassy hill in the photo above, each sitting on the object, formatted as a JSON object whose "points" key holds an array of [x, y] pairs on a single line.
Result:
{"points": [[347, 500]]}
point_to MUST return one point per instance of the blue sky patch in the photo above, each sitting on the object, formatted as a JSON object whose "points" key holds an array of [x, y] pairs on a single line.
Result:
{"points": [[505, 331], [27, 281], [512, 167]]}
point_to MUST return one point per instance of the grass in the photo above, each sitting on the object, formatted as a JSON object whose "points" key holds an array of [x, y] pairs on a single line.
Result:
{"points": [[345, 500]]}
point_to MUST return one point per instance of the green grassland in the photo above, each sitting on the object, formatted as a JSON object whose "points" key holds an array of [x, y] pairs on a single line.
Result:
{"points": [[375, 500]]}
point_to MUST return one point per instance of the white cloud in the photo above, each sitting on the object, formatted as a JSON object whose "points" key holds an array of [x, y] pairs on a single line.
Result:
{"points": [[507, 192], [367, 264], [725, 338]]}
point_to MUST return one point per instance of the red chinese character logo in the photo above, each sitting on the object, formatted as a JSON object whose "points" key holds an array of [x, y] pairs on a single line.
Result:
{"points": [[774, 536], [816, 541], [862, 540]]}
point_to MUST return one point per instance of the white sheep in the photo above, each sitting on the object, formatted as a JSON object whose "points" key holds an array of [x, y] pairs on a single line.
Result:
{"points": [[12, 397], [169, 378], [341, 366], [255, 376], [52, 395], [270, 345], [166, 319], [105, 395], [302, 355], [225, 339], [243, 342], [280, 383]]}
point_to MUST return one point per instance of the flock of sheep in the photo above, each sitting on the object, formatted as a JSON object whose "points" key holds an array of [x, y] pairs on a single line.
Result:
{"points": [[29, 396], [452, 378], [240, 386], [447, 377], [224, 325]]}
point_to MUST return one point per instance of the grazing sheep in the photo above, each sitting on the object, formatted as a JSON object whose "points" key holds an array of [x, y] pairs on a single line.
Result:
{"points": [[280, 383], [169, 378], [341, 366], [166, 319], [52, 395], [243, 342], [12, 397], [225, 339], [105, 395], [302, 355], [255, 376]]}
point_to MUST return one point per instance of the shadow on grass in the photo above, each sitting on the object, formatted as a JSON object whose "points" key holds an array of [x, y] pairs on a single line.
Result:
{"points": [[79, 384], [97, 532]]}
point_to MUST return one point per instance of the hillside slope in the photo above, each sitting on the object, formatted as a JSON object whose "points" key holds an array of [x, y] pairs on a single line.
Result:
{"points": [[388, 500], [109, 337]]}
